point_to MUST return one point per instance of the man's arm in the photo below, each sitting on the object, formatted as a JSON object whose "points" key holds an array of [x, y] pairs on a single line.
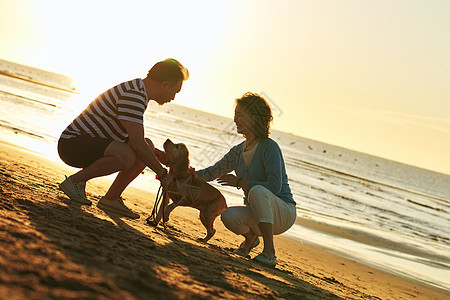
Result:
{"points": [[143, 151]]}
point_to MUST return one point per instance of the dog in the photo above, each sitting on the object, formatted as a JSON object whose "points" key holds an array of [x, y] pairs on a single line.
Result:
{"points": [[188, 190]]}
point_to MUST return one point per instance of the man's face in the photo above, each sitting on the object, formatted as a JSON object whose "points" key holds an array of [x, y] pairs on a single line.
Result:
{"points": [[168, 92]]}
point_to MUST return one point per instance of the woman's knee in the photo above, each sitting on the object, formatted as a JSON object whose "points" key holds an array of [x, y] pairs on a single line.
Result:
{"points": [[238, 219], [234, 216], [258, 194], [226, 216]]}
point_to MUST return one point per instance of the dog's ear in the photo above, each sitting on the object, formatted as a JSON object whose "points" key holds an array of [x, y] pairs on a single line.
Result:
{"points": [[181, 161], [184, 158]]}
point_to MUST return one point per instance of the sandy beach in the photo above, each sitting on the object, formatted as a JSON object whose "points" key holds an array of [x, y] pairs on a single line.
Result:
{"points": [[53, 248]]}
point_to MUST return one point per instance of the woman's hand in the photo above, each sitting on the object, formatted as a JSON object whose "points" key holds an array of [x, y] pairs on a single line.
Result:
{"points": [[227, 180]]}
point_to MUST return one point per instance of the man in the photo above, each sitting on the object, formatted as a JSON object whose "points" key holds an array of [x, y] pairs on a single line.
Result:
{"points": [[108, 136]]}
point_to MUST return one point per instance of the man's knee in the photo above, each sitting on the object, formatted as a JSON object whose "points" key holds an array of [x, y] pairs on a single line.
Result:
{"points": [[129, 159], [124, 155], [126, 158]]}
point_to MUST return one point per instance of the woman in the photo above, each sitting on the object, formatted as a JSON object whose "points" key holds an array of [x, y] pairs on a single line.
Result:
{"points": [[260, 172]]}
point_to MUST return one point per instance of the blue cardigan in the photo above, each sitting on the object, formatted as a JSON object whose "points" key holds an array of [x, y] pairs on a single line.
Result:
{"points": [[266, 168]]}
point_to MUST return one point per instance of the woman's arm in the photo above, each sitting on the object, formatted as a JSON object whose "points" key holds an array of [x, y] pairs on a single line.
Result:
{"points": [[222, 167], [272, 165], [272, 161]]}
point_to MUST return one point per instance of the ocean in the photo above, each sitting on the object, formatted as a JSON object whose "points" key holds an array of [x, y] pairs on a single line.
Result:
{"points": [[379, 212]]}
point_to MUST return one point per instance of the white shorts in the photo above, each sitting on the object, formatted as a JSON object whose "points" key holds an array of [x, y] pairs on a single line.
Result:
{"points": [[264, 207]]}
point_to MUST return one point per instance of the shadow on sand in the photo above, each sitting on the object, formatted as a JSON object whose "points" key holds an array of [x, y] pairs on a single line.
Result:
{"points": [[70, 252]]}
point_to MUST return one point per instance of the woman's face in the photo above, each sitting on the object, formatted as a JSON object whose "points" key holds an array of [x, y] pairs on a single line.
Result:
{"points": [[243, 120]]}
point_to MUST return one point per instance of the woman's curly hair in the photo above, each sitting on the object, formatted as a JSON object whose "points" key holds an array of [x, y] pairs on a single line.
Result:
{"points": [[259, 110]]}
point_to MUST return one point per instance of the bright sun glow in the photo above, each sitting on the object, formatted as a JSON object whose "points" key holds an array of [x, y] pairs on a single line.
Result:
{"points": [[368, 76]]}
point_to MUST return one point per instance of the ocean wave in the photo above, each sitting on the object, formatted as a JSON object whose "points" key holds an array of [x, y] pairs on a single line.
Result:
{"points": [[29, 99], [37, 76], [377, 238], [29, 79]]}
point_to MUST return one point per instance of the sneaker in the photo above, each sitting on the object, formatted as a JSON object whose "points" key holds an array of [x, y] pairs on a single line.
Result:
{"points": [[117, 206], [75, 191], [266, 260], [245, 252]]}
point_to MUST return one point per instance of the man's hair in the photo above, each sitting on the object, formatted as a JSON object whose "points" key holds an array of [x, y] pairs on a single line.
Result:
{"points": [[168, 70], [259, 110]]}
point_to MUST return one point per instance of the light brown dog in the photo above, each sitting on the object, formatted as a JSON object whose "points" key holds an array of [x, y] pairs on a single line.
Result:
{"points": [[188, 190]]}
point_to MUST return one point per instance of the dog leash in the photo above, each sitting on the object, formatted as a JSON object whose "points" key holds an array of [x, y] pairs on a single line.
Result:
{"points": [[151, 219]]}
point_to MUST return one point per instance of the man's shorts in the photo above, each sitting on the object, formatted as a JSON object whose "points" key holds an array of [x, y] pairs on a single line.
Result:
{"points": [[82, 151]]}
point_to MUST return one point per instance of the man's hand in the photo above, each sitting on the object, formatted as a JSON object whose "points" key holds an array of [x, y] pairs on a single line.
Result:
{"points": [[143, 148], [165, 180], [161, 156]]}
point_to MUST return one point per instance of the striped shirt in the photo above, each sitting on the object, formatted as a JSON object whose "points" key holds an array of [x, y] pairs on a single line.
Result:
{"points": [[126, 101]]}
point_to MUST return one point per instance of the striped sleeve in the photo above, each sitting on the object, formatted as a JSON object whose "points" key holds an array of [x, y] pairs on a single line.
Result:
{"points": [[126, 101], [130, 104]]}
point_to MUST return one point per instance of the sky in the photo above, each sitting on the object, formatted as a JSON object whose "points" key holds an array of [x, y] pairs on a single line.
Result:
{"points": [[371, 76]]}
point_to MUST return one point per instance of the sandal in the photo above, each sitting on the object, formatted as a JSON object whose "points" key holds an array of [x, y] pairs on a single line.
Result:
{"points": [[245, 252], [266, 260]]}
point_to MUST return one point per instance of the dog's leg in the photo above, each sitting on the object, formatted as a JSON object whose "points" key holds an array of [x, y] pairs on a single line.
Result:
{"points": [[176, 201], [209, 215], [168, 210], [207, 221]]}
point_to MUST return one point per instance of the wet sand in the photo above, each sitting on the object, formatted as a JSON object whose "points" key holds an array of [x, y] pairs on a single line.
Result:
{"points": [[55, 248]]}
